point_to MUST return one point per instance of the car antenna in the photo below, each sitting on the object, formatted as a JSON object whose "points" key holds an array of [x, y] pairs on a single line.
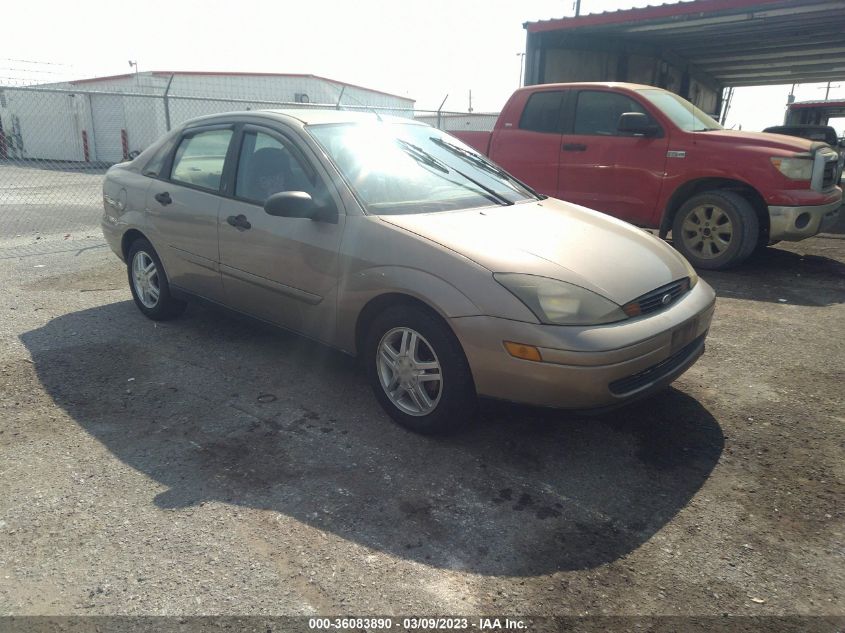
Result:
{"points": [[370, 108]]}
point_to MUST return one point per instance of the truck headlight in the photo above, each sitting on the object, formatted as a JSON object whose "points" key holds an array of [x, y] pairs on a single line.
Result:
{"points": [[794, 168], [559, 303]]}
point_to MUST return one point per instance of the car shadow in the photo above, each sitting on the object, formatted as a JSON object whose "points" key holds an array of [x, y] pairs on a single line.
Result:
{"points": [[777, 275], [217, 409]]}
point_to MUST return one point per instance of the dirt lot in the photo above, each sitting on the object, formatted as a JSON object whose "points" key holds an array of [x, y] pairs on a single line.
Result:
{"points": [[214, 466]]}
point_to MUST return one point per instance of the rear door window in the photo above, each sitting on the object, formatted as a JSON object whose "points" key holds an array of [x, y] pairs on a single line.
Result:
{"points": [[542, 113], [597, 113], [199, 159]]}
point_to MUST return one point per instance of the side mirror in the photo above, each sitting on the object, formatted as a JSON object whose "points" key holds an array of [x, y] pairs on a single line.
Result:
{"points": [[298, 204], [637, 123]]}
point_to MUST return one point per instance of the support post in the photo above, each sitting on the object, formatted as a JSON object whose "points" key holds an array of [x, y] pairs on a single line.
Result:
{"points": [[439, 109], [167, 104]]}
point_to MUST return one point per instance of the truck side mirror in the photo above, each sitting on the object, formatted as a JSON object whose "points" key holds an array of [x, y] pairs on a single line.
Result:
{"points": [[637, 123]]}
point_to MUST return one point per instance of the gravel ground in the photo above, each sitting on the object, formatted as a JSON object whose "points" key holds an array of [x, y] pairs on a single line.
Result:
{"points": [[211, 465]]}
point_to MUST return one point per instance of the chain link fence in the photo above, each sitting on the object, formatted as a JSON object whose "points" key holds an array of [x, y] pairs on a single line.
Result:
{"points": [[57, 140]]}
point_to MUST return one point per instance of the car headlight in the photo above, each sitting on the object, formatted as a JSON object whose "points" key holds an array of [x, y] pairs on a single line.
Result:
{"points": [[559, 303], [794, 168], [693, 276]]}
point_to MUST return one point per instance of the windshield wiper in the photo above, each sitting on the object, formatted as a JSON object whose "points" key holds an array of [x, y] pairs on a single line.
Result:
{"points": [[481, 163], [422, 156]]}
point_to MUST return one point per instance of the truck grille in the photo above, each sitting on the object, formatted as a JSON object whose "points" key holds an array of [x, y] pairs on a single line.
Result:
{"points": [[655, 372], [657, 299], [831, 170]]}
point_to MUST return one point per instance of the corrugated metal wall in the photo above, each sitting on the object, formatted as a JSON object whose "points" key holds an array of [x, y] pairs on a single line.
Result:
{"points": [[51, 125]]}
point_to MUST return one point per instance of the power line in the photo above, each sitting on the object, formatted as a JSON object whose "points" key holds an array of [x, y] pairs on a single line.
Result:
{"points": [[30, 61]]}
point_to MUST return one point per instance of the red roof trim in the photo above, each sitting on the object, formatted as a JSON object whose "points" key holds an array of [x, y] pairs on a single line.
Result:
{"points": [[93, 79], [644, 14], [167, 73]]}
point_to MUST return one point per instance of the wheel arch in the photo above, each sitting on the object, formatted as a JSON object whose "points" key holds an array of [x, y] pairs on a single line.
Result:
{"points": [[382, 302], [701, 185], [128, 238]]}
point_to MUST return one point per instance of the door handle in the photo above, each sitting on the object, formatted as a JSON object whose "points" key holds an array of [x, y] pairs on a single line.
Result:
{"points": [[239, 222], [573, 147], [163, 198]]}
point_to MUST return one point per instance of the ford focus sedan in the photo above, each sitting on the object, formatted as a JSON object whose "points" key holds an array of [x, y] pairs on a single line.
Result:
{"points": [[391, 240]]}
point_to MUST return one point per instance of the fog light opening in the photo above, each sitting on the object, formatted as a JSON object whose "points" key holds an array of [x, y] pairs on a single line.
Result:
{"points": [[802, 220], [525, 352]]}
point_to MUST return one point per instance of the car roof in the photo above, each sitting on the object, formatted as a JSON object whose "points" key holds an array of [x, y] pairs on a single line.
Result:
{"points": [[308, 116]]}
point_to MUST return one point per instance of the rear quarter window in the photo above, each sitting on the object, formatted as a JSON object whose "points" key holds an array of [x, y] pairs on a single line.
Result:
{"points": [[542, 113]]}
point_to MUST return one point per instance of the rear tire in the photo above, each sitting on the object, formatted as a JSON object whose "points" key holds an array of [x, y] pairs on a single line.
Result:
{"points": [[148, 283], [716, 230], [418, 371]]}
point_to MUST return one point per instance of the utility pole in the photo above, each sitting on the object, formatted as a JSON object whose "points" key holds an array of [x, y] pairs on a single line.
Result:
{"points": [[827, 90], [577, 8], [470, 101], [135, 65], [521, 64]]}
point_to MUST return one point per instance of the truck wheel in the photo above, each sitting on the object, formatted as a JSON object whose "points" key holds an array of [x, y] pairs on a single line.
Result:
{"points": [[716, 230], [418, 371]]}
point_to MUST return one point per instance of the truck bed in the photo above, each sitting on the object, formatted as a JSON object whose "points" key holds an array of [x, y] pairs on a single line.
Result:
{"points": [[479, 141]]}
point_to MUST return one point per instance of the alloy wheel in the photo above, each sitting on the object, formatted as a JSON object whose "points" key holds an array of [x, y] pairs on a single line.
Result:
{"points": [[145, 279], [707, 231], [409, 371]]}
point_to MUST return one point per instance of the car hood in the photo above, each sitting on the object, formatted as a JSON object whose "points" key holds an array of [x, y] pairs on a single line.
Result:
{"points": [[555, 239], [758, 139]]}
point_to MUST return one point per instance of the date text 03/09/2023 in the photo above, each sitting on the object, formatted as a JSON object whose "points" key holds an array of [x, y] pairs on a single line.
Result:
{"points": [[417, 623]]}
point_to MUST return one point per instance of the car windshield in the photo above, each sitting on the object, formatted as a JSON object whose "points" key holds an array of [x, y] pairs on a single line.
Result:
{"points": [[682, 113], [398, 168]]}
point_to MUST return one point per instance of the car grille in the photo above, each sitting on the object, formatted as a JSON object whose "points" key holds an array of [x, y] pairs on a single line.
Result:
{"points": [[655, 300], [655, 372]]}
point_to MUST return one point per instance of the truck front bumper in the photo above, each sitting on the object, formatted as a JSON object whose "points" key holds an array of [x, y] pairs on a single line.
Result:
{"points": [[797, 223]]}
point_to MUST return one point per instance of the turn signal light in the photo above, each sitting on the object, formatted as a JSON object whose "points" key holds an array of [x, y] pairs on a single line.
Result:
{"points": [[525, 352], [632, 309]]}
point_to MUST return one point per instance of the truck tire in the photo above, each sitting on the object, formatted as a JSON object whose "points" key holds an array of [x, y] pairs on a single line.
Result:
{"points": [[418, 371], [715, 230], [763, 244]]}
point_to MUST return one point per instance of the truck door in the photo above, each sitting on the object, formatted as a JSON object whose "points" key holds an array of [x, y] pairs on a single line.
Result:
{"points": [[601, 168], [530, 149]]}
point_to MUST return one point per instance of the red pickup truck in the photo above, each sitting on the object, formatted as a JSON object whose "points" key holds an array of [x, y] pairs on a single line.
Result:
{"points": [[650, 157]]}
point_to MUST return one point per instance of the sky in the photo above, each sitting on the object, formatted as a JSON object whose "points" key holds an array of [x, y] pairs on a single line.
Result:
{"points": [[423, 50]]}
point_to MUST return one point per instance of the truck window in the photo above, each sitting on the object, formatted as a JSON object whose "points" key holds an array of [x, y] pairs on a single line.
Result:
{"points": [[682, 113], [597, 113], [542, 113]]}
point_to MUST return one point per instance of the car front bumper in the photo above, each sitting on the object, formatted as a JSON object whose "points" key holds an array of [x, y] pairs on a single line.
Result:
{"points": [[596, 367], [797, 223]]}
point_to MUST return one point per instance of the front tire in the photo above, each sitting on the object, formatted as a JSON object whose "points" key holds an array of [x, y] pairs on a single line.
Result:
{"points": [[418, 371], [716, 230], [148, 283]]}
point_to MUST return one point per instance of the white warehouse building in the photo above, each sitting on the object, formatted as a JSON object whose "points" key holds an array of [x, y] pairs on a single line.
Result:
{"points": [[104, 120]]}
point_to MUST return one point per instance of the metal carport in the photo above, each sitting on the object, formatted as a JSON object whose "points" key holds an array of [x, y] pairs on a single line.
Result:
{"points": [[694, 48]]}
